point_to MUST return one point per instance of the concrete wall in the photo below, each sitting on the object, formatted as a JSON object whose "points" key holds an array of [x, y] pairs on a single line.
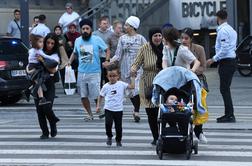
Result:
{"points": [[157, 18]]}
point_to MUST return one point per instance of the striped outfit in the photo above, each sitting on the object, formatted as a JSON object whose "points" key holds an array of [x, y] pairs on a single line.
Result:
{"points": [[147, 59], [126, 52]]}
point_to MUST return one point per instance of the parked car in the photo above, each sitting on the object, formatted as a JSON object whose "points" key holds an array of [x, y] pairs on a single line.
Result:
{"points": [[244, 56], [13, 78]]}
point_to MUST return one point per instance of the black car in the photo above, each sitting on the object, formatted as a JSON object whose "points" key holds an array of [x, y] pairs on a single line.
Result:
{"points": [[13, 78], [244, 56]]}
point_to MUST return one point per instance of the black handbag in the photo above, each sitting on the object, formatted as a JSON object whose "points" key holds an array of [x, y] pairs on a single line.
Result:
{"points": [[147, 90], [203, 81]]}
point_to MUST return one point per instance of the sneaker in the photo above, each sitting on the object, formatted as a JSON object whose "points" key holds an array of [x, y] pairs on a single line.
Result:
{"points": [[202, 138], [226, 119], [101, 114], [43, 101], [88, 118], [119, 144], [109, 141]]}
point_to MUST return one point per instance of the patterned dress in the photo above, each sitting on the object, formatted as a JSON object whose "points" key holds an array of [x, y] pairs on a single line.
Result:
{"points": [[146, 59], [126, 52]]}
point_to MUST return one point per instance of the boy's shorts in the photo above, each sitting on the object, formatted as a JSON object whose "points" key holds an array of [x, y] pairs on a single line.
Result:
{"points": [[89, 85]]}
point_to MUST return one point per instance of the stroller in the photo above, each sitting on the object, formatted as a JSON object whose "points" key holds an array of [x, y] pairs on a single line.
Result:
{"points": [[176, 127]]}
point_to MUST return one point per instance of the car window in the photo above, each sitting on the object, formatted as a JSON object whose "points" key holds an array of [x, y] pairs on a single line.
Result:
{"points": [[13, 48]]}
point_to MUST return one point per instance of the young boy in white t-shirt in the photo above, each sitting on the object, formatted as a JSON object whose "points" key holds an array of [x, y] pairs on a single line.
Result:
{"points": [[113, 92]]}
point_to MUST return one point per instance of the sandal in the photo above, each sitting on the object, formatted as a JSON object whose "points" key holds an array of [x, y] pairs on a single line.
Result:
{"points": [[89, 118]]}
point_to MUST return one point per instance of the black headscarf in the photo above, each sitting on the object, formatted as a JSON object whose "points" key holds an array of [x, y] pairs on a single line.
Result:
{"points": [[158, 50]]}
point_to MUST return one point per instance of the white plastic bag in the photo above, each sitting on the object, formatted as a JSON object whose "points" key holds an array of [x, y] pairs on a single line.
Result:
{"points": [[70, 81]]}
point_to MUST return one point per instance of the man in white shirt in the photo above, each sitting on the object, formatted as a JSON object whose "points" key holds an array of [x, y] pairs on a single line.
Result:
{"points": [[225, 54], [68, 17], [14, 25], [41, 29]]}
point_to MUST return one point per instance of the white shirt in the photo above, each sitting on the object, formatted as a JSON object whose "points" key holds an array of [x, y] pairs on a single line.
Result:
{"points": [[184, 57], [114, 95], [40, 29], [226, 40], [33, 53], [66, 18]]}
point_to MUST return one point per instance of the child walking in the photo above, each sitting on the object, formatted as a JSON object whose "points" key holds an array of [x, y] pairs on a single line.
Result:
{"points": [[36, 69], [113, 92]]}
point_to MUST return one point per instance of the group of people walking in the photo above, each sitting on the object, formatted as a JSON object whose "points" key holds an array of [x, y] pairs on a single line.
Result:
{"points": [[111, 63]]}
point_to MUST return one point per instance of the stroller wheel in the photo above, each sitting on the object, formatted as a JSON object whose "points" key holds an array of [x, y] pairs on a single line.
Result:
{"points": [[159, 150], [195, 147], [188, 148]]}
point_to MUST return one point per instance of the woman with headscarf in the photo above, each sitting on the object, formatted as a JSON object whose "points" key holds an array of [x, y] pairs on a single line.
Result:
{"points": [[126, 52], [149, 58]]}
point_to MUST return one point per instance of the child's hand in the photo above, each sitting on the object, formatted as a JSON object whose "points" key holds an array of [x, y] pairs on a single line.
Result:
{"points": [[40, 58], [98, 109]]}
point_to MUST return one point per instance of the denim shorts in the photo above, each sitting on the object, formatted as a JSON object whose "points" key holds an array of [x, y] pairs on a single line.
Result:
{"points": [[89, 85]]}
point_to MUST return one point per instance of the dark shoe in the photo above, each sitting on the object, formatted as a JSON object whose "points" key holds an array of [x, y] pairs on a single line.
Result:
{"points": [[44, 136], [53, 130], [154, 142], [226, 119], [136, 117], [109, 141], [118, 144]]}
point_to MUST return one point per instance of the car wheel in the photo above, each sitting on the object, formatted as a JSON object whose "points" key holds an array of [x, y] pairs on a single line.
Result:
{"points": [[245, 69], [8, 100]]}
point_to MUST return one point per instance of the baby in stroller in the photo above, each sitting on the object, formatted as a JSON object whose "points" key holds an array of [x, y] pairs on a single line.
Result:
{"points": [[177, 92]]}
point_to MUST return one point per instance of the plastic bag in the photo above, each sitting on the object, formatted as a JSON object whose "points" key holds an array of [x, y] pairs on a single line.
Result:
{"points": [[198, 118], [70, 81]]}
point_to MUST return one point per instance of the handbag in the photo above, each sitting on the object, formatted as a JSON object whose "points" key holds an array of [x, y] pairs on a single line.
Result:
{"points": [[70, 81], [147, 90], [203, 81]]}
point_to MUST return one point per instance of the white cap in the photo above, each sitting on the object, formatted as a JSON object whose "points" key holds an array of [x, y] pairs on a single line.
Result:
{"points": [[133, 21]]}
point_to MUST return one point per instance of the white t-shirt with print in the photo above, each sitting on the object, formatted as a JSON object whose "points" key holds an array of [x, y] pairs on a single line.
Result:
{"points": [[114, 95]]}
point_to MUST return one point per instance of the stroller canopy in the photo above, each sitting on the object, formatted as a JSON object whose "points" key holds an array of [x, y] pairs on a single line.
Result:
{"points": [[176, 77]]}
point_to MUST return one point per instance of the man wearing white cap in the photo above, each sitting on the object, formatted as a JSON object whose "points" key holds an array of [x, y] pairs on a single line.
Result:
{"points": [[68, 17], [127, 48]]}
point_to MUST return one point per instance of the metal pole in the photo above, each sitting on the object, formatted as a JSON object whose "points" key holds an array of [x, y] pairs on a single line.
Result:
{"points": [[24, 7]]}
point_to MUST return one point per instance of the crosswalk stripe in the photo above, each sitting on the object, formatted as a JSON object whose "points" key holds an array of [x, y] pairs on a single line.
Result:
{"points": [[125, 131], [119, 152], [203, 147], [126, 162], [103, 137]]}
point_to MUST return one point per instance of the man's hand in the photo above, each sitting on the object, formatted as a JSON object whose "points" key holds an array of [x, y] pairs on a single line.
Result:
{"points": [[105, 64], [209, 62]]}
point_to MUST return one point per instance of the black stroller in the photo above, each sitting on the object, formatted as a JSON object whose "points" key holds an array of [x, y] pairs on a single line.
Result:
{"points": [[176, 128]]}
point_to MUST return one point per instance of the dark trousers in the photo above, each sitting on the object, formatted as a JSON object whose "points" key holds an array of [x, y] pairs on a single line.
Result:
{"points": [[136, 103], [152, 114], [198, 130], [104, 78], [226, 71], [45, 112], [110, 117]]}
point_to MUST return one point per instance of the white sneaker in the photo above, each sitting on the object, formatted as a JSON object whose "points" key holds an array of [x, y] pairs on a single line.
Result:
{"points": [[202, 138]]}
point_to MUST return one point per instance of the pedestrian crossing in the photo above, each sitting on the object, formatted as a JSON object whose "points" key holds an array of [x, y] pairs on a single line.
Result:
{"points": [[83, 143]]}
